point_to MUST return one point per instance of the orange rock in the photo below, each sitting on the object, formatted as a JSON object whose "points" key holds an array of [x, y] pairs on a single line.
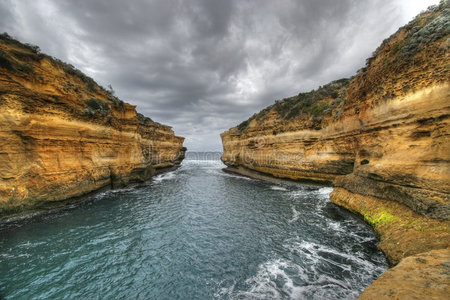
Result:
{"points": [[382, 138], [63, 136]]}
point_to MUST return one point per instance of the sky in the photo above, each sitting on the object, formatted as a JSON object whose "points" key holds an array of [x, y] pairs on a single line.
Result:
{"points": [[205, 66]]}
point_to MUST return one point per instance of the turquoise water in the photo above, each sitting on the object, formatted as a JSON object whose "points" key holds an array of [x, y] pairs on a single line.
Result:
{"points": [[194, 233]]}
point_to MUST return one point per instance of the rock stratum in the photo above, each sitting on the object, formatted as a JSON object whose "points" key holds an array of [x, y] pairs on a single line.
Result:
{"points": [[381, 138], [63, 136]]}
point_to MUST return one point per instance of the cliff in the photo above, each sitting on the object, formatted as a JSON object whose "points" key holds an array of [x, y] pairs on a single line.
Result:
{"points": [[381, 137], [62, 135]]}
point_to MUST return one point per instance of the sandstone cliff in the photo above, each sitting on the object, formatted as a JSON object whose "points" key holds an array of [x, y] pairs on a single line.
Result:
{"points": [[381, 137], [62, 135], [386, 129]]}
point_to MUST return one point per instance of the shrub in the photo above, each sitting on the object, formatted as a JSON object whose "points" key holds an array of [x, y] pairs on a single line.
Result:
{"points": [[91, 86], [6, 62], [145, 120], [27, 56], [305, 102], [290, 108], [319, 108], [242, 126], [89, 112], [26, 68], [13, 66], [98, 105], [295, 111]]}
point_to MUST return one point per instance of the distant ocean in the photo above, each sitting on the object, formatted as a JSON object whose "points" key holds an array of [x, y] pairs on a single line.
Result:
{"points": [[211, 155]]}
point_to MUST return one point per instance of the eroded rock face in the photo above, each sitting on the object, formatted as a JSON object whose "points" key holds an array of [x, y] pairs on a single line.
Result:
{"points": [[423, 276], [383, 133], [401, 231], [62, 135], [382, 138]]}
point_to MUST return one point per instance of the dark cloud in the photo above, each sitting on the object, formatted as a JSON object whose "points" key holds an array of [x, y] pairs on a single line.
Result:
{"points": [[204, 66]]}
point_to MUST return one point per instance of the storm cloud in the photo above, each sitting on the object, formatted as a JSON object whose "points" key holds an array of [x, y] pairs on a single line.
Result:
{"points": [[205, 66]]}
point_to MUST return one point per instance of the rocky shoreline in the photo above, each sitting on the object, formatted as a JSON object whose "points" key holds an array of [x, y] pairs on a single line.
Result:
{"points": [[416, 247], [63, 136], [382, 139], [51, 207]]}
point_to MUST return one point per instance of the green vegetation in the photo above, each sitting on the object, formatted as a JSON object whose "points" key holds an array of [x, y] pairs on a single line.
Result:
{"points": [[430, 26], [381, 218], [5, 37], [310, 103], [145, 120], [10, 64], [32, 53], [89, 112], [436, 29], [243, 125], [21, 57], [319, 109], [119, 104], [96, 105], [25, 56], [91, 85], [419, 45], [6, 62]]}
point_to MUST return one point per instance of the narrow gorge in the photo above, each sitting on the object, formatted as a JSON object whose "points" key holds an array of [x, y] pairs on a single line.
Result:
{"points": [[336, 193], [63, 136], [382, 139]]}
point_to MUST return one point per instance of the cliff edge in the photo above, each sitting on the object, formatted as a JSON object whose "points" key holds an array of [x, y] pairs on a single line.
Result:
{"points": [[381, 137], [62, 135]]}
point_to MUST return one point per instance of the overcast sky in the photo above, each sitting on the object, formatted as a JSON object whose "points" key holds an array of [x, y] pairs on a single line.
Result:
{"points": [[204, 66]]}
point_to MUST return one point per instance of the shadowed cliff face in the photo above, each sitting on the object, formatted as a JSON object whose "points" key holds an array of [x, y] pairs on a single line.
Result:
{"points": [[63, 136], [384, 133]]}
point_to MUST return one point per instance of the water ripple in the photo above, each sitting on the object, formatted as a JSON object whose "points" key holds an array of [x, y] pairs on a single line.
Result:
{"points": [[194, 233]]}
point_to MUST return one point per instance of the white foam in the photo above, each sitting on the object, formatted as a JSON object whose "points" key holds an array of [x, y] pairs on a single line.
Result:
{"points": [[165, 176], [298, 194], [283, 278], [272, 282], [295, 215], [326, 191], [314, 252], [227, 174], [278, 188]]}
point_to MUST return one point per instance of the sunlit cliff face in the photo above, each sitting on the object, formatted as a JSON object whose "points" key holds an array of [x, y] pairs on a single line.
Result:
{"points": [[64, 136], [380, 134], [203, 66]]}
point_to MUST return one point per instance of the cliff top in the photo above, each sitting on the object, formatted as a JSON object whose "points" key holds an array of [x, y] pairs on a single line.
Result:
{"points": [[41, 83], [414, 57]]}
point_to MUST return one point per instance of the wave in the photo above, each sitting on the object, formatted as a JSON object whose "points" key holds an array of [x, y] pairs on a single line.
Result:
{"points": [[273, 281], [295, 216], [309, 272], [325, 191], [278, 188], [165, 176]]}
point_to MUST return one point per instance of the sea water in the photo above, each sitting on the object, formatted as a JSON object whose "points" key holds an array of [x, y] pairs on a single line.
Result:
{"points": [[193, 233]]}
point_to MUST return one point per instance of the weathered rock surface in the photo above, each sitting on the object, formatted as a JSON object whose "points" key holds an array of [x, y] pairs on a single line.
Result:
{"points": [[62, 135], [384, 133], [401, 231], [423, 276], [383, 139]]}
